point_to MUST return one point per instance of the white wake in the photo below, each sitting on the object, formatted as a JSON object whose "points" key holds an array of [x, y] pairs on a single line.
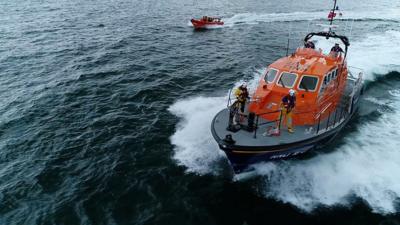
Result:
{"points": [[255, 18]]}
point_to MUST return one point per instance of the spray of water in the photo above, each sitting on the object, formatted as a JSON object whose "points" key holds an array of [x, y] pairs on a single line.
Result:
{"points": [[195, 147]]}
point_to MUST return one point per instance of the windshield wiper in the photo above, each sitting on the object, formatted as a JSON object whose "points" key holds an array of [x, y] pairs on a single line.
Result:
{"points": [[280, 81]]}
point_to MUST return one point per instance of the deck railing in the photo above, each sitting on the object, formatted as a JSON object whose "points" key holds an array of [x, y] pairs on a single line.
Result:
{"points": [[322, 123]]}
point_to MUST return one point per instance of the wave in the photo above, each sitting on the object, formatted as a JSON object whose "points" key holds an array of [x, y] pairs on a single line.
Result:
{"points": [[377, 54], [194, 146]]}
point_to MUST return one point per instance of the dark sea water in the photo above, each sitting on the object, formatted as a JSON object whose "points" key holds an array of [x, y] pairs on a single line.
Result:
{"points": [[105, 111]]}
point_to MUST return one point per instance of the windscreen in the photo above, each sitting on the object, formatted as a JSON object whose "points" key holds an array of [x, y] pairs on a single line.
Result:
{"points": [[270, 75], [308, 83], [287, 80]]}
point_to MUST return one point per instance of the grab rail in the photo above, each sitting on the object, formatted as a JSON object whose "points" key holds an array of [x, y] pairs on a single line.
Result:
{"points": [[343, 109], [269, 122], [336, 119]]}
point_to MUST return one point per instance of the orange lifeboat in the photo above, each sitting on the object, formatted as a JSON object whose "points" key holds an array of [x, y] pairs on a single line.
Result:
{"points": [[326, 98], [207, 22]]}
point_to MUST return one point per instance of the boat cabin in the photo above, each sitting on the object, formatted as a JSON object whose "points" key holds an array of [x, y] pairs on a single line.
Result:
{"points": [[318, 78], [211, 19]]}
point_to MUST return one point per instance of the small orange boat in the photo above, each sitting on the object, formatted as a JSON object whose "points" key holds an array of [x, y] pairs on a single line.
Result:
{"points": [[327, 95], [207, 22]]}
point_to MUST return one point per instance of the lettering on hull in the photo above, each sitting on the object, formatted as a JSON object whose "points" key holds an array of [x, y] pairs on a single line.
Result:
{"points": [[286, 155]]}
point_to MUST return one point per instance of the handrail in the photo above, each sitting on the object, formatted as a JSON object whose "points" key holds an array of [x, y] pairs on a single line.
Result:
{"points": [[329, 122], [343, 106], [322, 111], [265, 123], [260, 114], [342, 115]]}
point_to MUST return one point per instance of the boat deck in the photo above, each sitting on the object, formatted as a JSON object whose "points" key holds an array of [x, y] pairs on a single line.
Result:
{"points": [[260, 137]]}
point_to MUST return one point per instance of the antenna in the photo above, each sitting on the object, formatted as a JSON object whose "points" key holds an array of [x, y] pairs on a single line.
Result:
{"points": [[288, 40], [333, 14]]}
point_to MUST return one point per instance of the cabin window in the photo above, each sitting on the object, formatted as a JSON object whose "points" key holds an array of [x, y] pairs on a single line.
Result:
{"points": [[287, 80], [270, 75], [324, 84], [334, 73], [328, 78], [322, 89], [308, 83]]}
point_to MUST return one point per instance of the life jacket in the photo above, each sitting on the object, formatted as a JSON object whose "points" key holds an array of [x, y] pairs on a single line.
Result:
{"points": [[241, 94], [289, 102]]}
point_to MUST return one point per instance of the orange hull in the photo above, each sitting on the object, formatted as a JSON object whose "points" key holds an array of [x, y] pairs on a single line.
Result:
{"points": [[198, 24]]}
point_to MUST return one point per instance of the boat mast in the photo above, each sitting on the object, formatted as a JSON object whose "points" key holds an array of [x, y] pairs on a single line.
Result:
{"points": [[333, 14]]}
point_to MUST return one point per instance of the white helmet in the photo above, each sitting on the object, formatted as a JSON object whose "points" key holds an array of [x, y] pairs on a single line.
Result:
{"points": [[292, 92], [244, 85]]}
